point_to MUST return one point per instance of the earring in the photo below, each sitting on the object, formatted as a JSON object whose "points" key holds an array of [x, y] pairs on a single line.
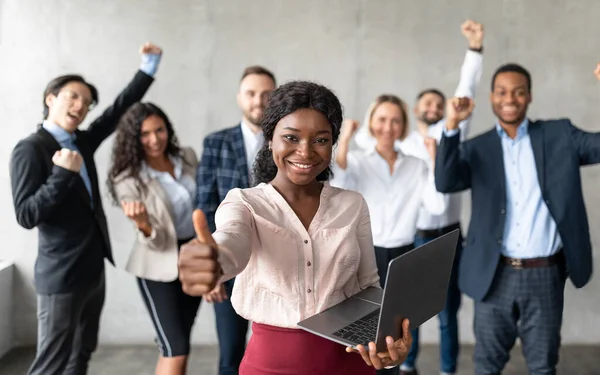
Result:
{"points": [[270, 148]]}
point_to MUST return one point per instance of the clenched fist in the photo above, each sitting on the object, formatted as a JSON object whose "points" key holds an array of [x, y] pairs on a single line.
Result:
{"points": [[150, 48], [457, 110], [349, 127], [199, 268], [597, 71], [68, 159], [136, 211], [473, 31]]}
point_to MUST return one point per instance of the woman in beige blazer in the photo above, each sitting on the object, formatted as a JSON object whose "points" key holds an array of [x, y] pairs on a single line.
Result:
{"points": [[153, 180]]}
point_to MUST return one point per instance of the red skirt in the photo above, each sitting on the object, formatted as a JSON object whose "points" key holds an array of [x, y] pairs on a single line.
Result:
{"points": [[283, 351]]}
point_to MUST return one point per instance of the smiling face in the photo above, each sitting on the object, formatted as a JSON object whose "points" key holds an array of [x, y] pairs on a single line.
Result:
{"points": [[510, 98], [302, 146], [69, 107], [387, 124], [430, 108], [154, 137]]}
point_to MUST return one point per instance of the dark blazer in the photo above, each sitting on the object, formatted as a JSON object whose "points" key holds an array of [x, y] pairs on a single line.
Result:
{"points": [[72, 235], [559, 150], [223, 167]]}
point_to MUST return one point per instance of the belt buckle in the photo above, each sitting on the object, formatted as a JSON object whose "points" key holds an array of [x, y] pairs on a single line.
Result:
{"points": [[516, 264]]}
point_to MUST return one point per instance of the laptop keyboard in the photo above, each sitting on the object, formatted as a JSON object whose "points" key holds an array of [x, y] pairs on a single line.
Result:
{"points": [[361, 331]]}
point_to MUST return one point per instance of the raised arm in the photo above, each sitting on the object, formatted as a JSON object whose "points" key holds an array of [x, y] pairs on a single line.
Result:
{"points": [[470, 72], [452, 173], [588, 144], [207, 190], [103, 126], [35, 196]]}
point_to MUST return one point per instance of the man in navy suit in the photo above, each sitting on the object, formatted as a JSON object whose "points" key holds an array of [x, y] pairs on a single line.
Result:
{"points": [[227, 159], [529, 229]]}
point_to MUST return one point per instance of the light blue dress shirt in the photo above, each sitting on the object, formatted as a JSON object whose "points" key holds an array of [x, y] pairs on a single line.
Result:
{"points": [[67, 140], [529, 231]]}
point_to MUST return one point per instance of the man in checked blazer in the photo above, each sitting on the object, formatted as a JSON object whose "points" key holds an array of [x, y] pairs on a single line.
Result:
{"points": [[55, 189], [529, 230], [227, 159]]}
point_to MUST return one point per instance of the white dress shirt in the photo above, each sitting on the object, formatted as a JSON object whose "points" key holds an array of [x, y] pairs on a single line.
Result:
{"points": [[394, 199], [414, 144], [253, 142], [180, 191]]}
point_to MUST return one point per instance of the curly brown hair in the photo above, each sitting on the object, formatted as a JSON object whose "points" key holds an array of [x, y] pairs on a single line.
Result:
{"points": [[128, 152]]}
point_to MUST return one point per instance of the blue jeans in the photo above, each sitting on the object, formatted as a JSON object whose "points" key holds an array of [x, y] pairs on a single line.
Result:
{"points": [[231, 330], [449, 345]]}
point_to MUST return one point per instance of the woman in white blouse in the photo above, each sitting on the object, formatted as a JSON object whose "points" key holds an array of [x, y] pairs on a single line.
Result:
{"points": [[296, 245], [394, 185], [153, 180]]}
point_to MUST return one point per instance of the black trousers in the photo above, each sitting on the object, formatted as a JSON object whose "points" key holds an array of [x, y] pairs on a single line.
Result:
{"points": [[383, 257], [68, 325]]}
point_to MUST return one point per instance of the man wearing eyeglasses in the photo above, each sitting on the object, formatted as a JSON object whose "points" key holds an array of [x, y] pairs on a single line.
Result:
{"points": [[55, 189]]}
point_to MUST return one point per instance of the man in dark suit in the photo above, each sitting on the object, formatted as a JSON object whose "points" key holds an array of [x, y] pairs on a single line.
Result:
{"points": [[55, 188], [529, 229], [227, 159]]}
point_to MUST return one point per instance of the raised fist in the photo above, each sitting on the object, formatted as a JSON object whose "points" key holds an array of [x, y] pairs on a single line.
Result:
{"points": [[136, 211], [67, 159], [349, 127], [458, 109], [473, 31], [150, 48]]}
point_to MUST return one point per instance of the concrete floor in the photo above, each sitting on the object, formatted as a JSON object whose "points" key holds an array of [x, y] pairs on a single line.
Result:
{"points": [[140, 360]]}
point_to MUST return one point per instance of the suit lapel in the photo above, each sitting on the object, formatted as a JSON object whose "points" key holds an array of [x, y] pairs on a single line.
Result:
{"points": [[237, 144], [536, 135], [52, 145], [496, 154]]}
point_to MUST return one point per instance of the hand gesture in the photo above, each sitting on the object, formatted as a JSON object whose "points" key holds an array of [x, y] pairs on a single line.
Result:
{"points": [[219, 294], [396, 351], [597, 71], [199, 268], [458, 109], [68, 159], [431, 146], [150, 48], [136, 211], [349, 127], [473, 31]]}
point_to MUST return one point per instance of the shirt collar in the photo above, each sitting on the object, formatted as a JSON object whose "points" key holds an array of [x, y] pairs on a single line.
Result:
{"points": [[522, 130], [153, 173], [248, 132], [60, 134]]}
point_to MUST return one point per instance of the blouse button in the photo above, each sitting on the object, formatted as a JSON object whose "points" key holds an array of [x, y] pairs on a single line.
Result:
{"points": [[309, 290], [305, 241], [308, 264]]}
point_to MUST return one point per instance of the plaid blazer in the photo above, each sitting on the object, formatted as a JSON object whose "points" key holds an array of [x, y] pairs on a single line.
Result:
{"points": [[223, 167]]}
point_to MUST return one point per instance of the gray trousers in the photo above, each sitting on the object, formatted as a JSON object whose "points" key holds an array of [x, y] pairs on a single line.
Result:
{"points": [[68, 326], [525, 303]]}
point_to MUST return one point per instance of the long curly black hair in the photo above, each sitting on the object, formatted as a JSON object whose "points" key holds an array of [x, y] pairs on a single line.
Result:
{"points": [[285, 100], [128, 152]]}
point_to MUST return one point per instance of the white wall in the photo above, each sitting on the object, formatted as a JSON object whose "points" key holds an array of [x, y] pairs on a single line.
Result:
{"points": [[359, 48]]}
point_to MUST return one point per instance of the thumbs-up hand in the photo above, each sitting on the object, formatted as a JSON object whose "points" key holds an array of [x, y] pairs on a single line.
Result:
{"points": [[199, 268]]}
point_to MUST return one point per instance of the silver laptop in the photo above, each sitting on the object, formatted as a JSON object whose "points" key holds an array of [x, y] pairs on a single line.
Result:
{"points": [[415, 289]]}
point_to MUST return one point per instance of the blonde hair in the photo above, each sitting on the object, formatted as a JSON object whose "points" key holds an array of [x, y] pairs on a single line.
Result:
{"points": [[393, 99]]}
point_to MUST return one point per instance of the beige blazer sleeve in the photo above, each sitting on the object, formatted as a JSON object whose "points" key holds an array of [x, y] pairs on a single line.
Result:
{"points": [[155, 257]]}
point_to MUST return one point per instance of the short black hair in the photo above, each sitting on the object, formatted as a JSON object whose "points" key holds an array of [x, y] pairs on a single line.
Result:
{"points": [[289, 98], [513, 68], [431, 91], [58, 83], [257, 69]]}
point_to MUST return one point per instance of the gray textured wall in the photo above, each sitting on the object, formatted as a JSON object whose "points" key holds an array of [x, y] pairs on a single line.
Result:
{"points": [[358, 48]]}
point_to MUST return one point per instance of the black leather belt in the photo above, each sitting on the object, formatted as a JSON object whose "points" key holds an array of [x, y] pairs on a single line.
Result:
{"points": [[434, 233], [516, 263]]}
